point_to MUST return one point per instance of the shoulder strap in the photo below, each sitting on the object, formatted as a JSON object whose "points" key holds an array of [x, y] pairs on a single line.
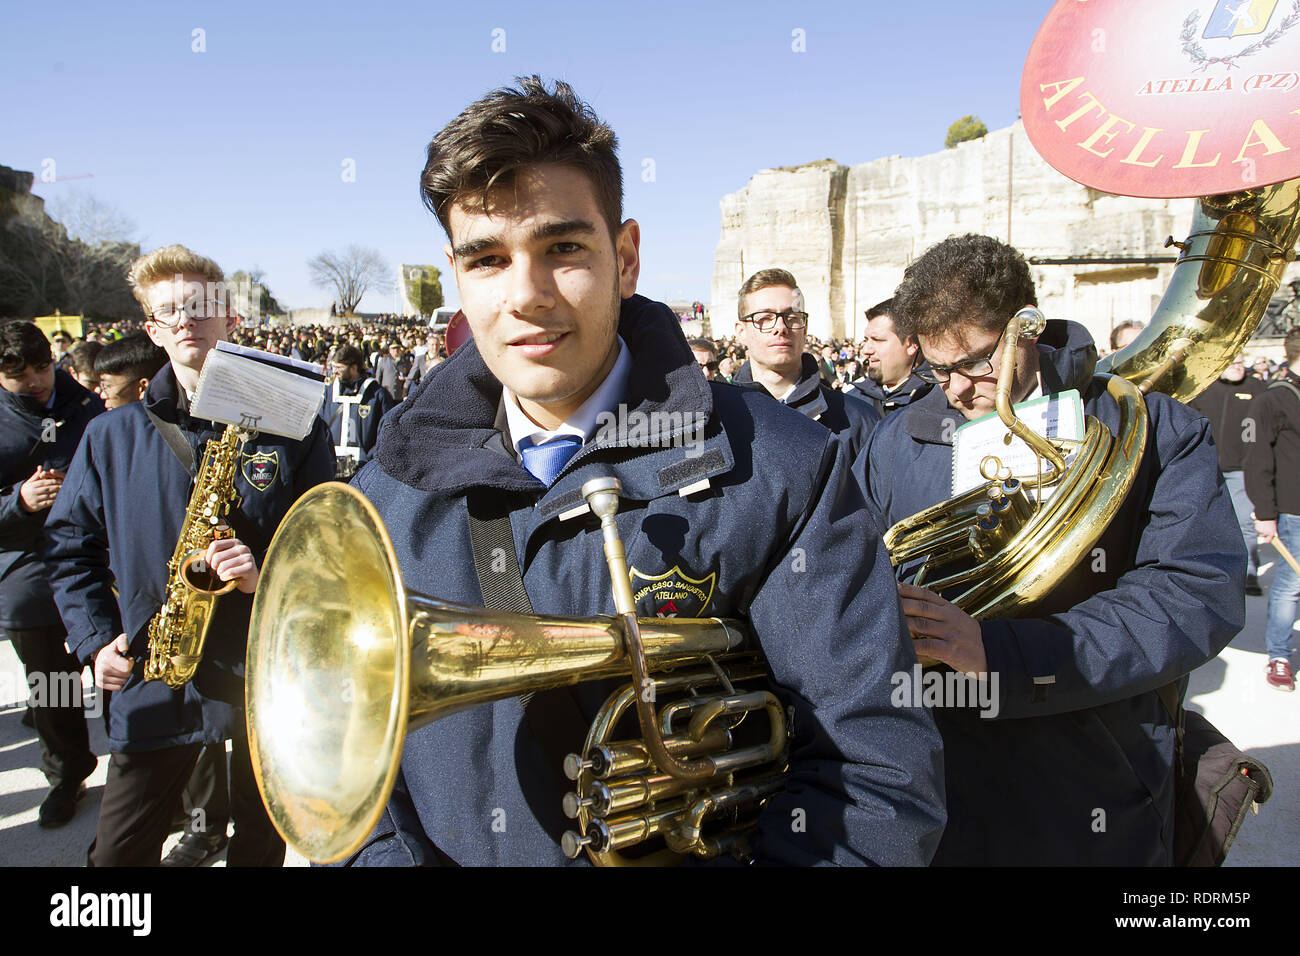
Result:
{"points": [[175, 440], [489, 533], [552, 716]]}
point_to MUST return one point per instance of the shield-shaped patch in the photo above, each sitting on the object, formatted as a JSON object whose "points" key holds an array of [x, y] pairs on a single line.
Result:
{"points": [[672, 594], [364, 411], [261, 468]]}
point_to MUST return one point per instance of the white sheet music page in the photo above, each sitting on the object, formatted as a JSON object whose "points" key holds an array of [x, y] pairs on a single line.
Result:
{"points": [[1055, 416], [238, 387]]}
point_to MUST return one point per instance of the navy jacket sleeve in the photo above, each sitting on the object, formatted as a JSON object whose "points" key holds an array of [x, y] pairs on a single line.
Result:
{"points": [[317, 465], [77, 557], [13, 517], [1179, 604], [866, 781]]}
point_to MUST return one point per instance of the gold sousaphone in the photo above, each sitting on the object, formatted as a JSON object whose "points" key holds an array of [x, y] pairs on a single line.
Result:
{"points": [[996, 550], [344, 662]]}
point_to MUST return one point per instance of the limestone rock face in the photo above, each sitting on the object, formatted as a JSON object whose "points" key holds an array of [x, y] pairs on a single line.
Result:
{"points": [[847, 233]]}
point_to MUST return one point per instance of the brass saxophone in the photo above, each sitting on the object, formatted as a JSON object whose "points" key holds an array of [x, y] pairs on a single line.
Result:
{"points": [[179, 630]]}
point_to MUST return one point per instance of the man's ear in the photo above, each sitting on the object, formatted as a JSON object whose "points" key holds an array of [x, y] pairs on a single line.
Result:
{"points": [[154, 334], [627, 246], [140, 386]]}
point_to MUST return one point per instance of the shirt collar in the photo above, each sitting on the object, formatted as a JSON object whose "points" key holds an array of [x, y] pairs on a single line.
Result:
{"points": [[581, 423]]}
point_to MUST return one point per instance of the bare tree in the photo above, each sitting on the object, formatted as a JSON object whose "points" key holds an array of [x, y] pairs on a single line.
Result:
{"points": [[91, 219], [351, 273]]}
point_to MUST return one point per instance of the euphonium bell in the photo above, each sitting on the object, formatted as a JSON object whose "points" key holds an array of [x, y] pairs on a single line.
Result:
{"points": [[343, 662]]}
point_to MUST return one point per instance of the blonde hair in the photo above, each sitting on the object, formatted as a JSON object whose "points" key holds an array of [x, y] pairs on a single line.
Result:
{"points": [[168, 263]]}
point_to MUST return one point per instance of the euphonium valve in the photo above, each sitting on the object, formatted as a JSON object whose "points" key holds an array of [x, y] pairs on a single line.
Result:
{"points": [[343, 662]]}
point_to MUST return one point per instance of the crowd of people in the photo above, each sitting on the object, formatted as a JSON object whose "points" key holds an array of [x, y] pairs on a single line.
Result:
{"points": [[772, 512]]}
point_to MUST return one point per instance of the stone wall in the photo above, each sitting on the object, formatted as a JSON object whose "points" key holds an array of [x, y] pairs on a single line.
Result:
{"points": [[848, 232]]}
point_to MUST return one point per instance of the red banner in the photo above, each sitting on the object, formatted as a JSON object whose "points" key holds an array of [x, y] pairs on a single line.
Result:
{"points": [[1167, 98]]}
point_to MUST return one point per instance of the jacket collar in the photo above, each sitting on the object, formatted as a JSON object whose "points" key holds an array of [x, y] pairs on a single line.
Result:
{"points": [[806, 396], [162, 395], [1067, 358], [445, 439], [68, 394], [876, 390]]}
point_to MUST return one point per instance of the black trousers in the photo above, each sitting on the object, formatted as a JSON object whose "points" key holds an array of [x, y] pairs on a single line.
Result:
{"points": [[143, 790], [206, 798], [54, 683]]}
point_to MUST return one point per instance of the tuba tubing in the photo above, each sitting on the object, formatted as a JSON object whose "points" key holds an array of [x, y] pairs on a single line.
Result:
{"points": [[343, 662]]}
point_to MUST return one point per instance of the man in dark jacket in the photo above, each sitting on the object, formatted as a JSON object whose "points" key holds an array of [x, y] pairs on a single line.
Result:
{"points": [[43, 413], [724, 492], [1076, 764], [1226, 403], [354, 405], [1272, 463], [118, 520], [891, 382], [772, 328]]}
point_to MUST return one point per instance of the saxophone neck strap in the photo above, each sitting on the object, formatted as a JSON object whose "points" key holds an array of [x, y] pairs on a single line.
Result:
{"points": [[176, 441]]}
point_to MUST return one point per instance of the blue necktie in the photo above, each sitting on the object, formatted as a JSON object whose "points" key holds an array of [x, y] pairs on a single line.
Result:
{"points": [[546, 461]]}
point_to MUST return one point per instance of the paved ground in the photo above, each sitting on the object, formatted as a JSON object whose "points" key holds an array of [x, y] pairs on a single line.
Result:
{"points": [[1229, 690]]}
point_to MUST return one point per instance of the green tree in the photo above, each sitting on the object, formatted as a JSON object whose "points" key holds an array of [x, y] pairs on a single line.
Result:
{"points": [[968, 127], [423, 288]]}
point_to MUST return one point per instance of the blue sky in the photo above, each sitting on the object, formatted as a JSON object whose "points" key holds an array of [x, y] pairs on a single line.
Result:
{"points": [[238, 151]]}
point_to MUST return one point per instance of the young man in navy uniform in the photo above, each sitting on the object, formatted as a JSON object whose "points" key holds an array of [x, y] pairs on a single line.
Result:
{"points": [[43, 412], [756, 506], [772, 327], [118, 520], [354, 404], [1074, 765]]}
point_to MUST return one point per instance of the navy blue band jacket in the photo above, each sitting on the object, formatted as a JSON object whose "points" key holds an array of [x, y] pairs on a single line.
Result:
{"points": [[775, 534], [32, 437], [1076, 765], [849, 418], [117, 520]]}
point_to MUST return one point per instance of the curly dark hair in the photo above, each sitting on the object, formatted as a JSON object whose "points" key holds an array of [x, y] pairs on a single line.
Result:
{"points": [[511, 129], [962, 280]]}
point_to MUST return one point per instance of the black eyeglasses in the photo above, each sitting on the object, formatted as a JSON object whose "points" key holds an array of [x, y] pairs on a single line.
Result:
{"points": [[766, 320], [169, 316], [971, 368]]}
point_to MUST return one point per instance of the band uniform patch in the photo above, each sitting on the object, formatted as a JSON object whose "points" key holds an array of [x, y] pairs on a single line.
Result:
{"points": [[672, 594], [364, 410], [261, 468]]}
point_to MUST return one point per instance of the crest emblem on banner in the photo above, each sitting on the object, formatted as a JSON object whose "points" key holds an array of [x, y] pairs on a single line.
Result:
{"points": [[672, 594], [261, 468], [1239, 18]]}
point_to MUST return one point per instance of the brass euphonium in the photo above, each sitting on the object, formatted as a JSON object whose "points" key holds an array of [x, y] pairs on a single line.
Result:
{"points": [[344, 662], [993, 550]]}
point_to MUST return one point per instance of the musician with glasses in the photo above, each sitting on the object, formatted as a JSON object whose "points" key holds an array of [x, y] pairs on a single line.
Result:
{"points": [[1075, 763], [772, 328], [117, 523]]}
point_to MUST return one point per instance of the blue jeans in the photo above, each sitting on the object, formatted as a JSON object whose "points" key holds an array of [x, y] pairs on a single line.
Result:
{"points": [[1284, 596], [1235, 480]]}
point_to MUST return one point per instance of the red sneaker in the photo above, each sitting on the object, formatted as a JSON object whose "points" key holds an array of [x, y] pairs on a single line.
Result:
{"points": [[1279, 674]]}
